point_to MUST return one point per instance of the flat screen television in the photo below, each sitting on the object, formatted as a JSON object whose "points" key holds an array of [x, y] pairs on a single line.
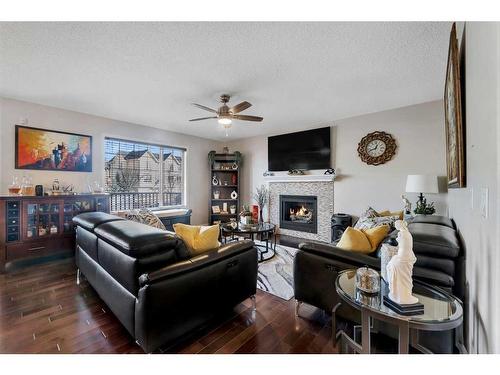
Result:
{"points": [[308, 149]]}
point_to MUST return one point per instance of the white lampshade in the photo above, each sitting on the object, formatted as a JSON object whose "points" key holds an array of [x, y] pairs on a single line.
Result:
{"points": [[422, 183]]}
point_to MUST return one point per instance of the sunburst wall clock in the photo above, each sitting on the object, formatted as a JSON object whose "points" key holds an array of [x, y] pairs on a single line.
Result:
{"points": [[377, 148]]}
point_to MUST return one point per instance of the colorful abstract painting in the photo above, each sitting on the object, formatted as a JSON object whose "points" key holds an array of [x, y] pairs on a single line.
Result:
{"points": [[50, 150]]}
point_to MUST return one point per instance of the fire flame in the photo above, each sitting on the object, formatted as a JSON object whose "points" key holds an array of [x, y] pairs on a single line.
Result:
{"points": [[302, 211]]}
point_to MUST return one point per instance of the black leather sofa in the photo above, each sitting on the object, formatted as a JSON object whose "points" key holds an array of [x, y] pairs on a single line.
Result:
{"points": [[153, 285], [440, 262]]}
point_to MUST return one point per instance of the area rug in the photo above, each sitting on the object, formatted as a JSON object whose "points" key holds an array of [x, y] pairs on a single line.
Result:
{"points": [[275, 276]]}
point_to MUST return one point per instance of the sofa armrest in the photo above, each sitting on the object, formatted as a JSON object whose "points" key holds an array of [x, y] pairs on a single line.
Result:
{"points": [[336, 253], [196, 262]]}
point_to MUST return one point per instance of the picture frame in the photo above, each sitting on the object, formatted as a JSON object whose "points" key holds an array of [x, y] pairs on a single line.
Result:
{"points": [[52, 150], [455, 144], [216, 209]]}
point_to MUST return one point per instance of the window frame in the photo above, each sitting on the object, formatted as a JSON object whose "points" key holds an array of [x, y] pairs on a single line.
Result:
{"points": [[162, 148]]}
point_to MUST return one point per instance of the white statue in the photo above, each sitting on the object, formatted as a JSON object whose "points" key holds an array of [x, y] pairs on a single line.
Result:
{"points": [[400, 268], [407, 204]]}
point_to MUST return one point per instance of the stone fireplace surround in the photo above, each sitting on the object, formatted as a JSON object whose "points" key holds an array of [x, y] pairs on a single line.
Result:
{"points": [[322, 189]]}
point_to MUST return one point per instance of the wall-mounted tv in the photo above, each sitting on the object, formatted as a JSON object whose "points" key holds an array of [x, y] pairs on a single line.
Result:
{"points": [[308, 149]]}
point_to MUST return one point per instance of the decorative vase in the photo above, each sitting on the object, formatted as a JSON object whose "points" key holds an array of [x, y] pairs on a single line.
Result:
{"points": [[215, 181], [261, 218]]}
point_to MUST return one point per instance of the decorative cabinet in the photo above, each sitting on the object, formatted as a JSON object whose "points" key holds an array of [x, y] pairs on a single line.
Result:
{"points": [[224, 200], [33, 227]]}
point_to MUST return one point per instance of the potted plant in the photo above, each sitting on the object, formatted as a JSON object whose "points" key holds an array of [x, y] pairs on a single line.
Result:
{"points": [[423, 208]]}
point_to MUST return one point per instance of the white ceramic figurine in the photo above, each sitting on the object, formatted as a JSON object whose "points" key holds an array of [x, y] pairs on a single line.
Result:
{"points": [[400, 268]]}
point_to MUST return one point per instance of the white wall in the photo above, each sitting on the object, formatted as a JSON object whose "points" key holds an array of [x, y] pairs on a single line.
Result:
{"points": [[480, 234], [11, 111], [419, 133]]}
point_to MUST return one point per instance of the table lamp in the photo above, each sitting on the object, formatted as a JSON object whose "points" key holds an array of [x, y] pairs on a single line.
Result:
{"points": [[420, 183]]}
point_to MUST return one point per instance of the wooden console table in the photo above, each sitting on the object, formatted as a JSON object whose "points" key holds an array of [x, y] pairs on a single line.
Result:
{"points": [[35, 227]]}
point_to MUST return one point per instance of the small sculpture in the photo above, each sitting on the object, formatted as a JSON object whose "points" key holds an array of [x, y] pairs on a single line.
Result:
{"points": [[400, 268], [407, 204]]}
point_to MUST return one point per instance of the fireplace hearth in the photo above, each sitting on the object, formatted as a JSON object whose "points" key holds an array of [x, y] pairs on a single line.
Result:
{"points": [[299, 213]]}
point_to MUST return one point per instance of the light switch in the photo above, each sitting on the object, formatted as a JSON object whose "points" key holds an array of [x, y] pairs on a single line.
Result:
{"points": [[483, 207]]}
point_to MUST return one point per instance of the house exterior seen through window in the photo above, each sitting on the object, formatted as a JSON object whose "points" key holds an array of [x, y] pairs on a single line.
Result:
{"points": [[141, 175]]}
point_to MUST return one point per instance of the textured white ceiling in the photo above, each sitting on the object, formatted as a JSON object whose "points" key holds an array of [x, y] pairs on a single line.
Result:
{"points": [[296, 75]]}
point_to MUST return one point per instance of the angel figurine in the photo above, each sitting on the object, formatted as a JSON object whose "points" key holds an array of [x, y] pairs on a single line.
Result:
{"points": [[400, 268]]}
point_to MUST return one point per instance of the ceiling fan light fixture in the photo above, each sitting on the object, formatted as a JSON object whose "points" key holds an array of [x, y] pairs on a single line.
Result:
{"points": [[225, 121]]}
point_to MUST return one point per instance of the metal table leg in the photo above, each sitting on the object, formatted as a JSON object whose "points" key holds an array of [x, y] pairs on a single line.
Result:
{"points": [[404, 337], [335, 335], [365, 332]]}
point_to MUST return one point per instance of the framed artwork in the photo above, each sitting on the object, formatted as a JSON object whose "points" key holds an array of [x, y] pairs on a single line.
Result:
{"points": [[455, 145], [49, 150]]}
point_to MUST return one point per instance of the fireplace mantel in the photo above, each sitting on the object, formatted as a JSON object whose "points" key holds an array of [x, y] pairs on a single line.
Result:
{"points": [[301, 178]]}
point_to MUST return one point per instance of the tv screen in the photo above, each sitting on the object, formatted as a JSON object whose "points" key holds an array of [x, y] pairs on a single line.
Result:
{"points": [[308, 149]]}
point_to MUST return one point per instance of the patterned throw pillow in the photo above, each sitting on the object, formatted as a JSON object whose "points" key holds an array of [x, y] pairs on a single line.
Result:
{"points": [[369, 213], [372, 222], [145, 216]]}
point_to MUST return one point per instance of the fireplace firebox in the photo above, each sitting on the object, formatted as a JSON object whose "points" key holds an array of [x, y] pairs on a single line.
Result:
{"points": [[299, 212]]}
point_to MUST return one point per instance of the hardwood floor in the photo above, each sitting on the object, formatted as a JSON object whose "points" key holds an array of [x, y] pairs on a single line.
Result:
{"points": [[42, 310]]}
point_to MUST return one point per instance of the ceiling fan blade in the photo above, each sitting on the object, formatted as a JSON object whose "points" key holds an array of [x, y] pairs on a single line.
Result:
{"points": [[247, 118], [240, 107], [202, 118], [205, 108]]}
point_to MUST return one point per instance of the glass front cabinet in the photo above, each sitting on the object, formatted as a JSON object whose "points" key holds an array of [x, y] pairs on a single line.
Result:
{"points": [[49, 219], [39, 226]]}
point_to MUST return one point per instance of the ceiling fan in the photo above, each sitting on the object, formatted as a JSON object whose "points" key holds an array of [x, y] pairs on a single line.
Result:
{"points": [[225, 114]]}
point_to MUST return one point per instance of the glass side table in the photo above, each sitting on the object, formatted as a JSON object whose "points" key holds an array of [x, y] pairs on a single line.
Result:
{"points": [[442, 312], [264, 231]]}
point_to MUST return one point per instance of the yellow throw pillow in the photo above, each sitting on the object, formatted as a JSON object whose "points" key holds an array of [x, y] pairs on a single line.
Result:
{"points": [[197, 238], [394, 213], [355, 240], [376, 235]]}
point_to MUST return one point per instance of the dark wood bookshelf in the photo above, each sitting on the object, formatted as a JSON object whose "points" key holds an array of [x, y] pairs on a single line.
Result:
{"points": [[222, 168]]}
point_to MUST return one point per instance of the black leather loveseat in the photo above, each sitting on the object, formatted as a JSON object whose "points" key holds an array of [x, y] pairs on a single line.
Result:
{"points": [[150, 281], [440, 262]]}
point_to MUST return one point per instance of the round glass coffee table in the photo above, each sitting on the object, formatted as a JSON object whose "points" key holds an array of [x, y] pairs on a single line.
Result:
{"points": [[442, 312], [264, 232]]}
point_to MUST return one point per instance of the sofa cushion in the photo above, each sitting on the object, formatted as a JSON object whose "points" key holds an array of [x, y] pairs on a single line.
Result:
{"points": [[145, 216], [376, 235], [135, 239], [433, 219], [394, 213], [90, 220], [355, 240], [198, 239], [367, 222], [434, 240]]}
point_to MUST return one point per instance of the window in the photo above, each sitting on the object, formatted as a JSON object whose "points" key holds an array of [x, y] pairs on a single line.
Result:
{"points": [[141, 175]]}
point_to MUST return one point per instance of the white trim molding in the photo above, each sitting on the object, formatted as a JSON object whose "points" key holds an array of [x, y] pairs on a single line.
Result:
{"points": [[301, 178]]}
